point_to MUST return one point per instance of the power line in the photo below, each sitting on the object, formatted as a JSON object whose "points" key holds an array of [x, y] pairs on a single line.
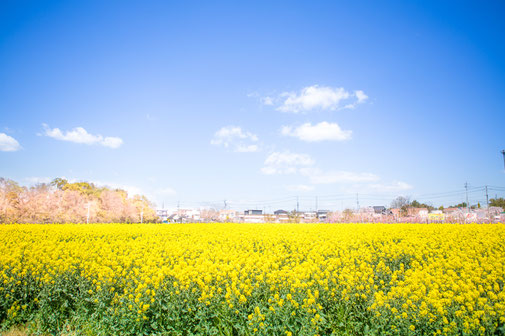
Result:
{"points": [[338, 199]]}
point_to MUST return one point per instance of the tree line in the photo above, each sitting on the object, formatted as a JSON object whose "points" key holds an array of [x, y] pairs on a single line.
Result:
{"points": [[61, 201], [403, 203]]}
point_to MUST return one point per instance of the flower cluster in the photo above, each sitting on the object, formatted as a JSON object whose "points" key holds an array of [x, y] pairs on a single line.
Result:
{"points": [[262, 279]]}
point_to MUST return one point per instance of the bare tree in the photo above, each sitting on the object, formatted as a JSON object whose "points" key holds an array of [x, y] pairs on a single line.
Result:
{"points": [[402, 203]]}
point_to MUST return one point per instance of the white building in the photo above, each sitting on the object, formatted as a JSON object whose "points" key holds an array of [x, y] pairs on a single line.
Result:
{"points": [[228, 215]]}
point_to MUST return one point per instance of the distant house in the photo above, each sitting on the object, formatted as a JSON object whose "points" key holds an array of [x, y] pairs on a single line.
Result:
{"points": [[253, 212], [162, 214], [395, 211], [436, 216], [310, 216], [281, 216], [452, 210], [228, 215], [417, 212], [379, 209], [191, 215], [366, 210], [486, 214], [253, 216], [322, 214], [173, 218]]}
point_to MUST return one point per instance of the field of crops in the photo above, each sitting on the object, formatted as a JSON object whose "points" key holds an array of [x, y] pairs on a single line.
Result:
{"points": [[253, 279]]}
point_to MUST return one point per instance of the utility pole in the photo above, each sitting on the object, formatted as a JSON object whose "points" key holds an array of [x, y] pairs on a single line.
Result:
{"points": [[297, 205], [487, 203], [87, 216], [467, 204], [225, 204], [503, 153], [357, 201], [316, 204]]}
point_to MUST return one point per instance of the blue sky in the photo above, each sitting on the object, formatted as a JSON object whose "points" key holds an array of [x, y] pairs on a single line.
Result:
{"points": [[256, 103]]}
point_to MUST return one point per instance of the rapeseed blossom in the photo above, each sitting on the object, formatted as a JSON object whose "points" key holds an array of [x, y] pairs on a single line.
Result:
{"points": [[256, 279]]}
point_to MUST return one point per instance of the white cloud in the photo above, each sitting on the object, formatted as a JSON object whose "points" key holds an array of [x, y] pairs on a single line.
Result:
{"points": [[299, 188], [278, 158], [235, 138], [313, 97], [318, 132], [391, 187], [286, 163], [131, 190], [112, 142], [318, 176], [246, 148], [267, 101], [274, 170], [317, 98], [8, 143], [80, 135], [228, 133], [362, 97], [295, 163]]}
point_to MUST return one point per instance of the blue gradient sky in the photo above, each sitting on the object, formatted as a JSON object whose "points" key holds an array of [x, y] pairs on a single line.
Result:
{"points": [[164, 77]]}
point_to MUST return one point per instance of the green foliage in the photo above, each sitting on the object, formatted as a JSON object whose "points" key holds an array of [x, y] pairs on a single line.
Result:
{"points": [[497, 202], [84, 188], [69, 305], [416, 204], [59, 183], [460, 205]]}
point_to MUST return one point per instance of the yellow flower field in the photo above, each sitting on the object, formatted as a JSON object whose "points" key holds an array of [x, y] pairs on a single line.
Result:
{"points": [[254, 279]]}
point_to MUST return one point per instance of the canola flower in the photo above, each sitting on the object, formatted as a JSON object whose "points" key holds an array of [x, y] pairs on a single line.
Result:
{"points": [[254, 279]]}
